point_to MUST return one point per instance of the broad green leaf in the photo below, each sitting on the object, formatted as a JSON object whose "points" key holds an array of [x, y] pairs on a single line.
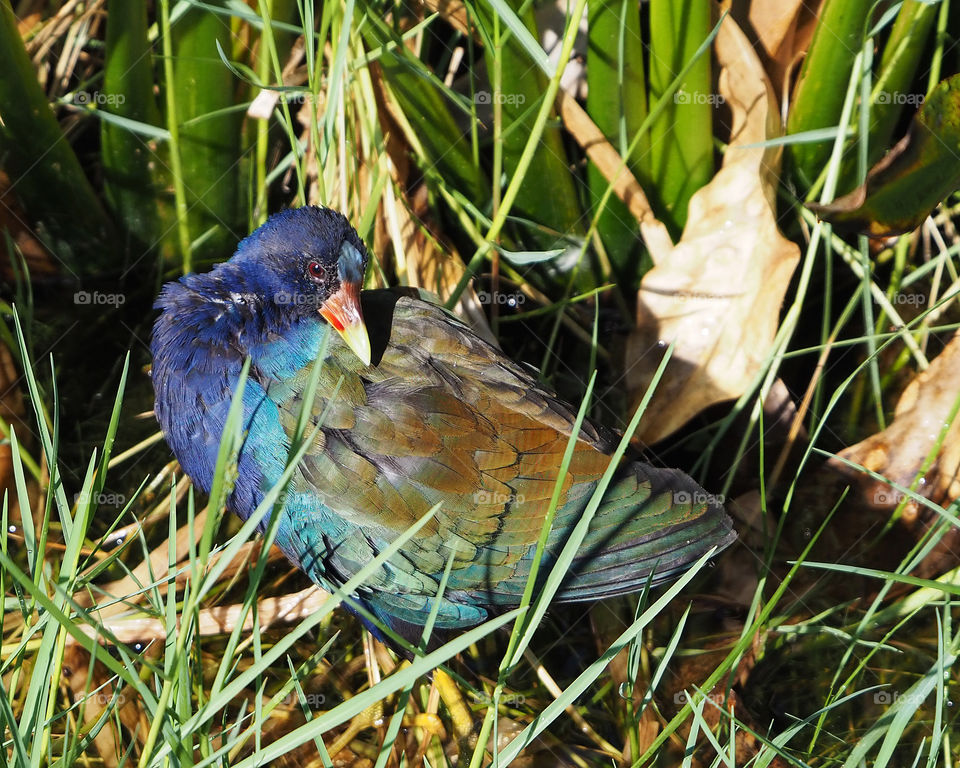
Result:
{"points": [[918, 173], [819, 93]]}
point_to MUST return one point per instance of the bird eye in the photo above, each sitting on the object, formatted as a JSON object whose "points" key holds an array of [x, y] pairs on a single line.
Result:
{"points": [[316, 271]]}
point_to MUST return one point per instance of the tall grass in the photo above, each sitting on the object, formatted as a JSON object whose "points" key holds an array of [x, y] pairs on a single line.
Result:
{"points": [[821, 660]]}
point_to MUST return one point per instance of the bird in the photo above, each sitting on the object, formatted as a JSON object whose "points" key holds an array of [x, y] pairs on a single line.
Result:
{"points": [[411, 410]]}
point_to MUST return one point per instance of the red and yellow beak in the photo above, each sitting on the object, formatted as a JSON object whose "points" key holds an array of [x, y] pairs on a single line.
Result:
{"points": [[342, 311]]}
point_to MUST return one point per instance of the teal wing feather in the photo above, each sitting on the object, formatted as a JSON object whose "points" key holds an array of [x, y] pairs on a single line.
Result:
{"points": [[443, 416]]}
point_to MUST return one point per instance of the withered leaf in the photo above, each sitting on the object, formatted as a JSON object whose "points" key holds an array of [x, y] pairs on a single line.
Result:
{"points": [[717, 293], [920, 171], [898, 453]]}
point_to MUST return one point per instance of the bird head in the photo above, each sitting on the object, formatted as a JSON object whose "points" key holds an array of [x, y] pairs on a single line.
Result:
{"points": [[310, 261]]}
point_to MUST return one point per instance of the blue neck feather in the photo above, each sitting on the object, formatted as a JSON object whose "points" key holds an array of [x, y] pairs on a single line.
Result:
{"points": [[209, 325]]}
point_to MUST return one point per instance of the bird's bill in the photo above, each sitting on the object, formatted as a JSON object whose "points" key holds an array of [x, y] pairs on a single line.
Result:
{"points": [[342, 311]]}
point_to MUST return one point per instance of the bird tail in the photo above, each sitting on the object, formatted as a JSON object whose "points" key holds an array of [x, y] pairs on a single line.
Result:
{"points": [[651, 526]]}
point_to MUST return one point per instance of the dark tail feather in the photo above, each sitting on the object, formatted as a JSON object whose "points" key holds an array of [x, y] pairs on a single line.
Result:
{"points": [[653, 521]]}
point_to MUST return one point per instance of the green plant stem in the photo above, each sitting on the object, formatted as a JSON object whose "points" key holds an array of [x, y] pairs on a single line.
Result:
{"points": [[681, 139], [534, 156], [819, 93], [617, 103], [135, 172], [526, 158], [173, 126]]}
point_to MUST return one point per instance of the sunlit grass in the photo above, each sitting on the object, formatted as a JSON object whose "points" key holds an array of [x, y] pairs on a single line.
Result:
{"points": [[78, 574]]}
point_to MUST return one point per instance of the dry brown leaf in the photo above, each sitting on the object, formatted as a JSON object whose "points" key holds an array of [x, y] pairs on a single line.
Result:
{"points": [[783, 29], [453, 12], [219, 620], [899, 451], [717, 293], [648, 729], [27, 22]]}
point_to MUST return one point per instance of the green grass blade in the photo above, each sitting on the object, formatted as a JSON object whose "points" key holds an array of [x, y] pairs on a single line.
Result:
{"points": [[820, 90], [378, 692], [890, 727], [617, 103], [208, 136], [546, 192], [135, 168], [592, 672], [425, 107], [681, 138], [221, 698], [8, 721]]}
